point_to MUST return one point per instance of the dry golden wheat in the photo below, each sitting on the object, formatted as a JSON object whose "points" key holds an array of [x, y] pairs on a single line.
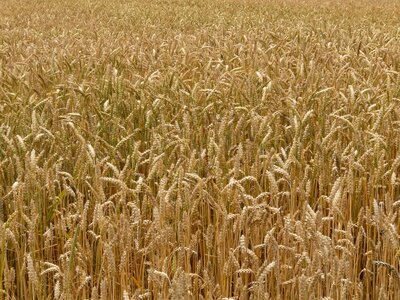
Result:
{"points": [[228, 149]]}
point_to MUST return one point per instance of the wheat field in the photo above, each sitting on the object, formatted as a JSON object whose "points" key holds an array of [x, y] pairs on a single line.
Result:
{"points": [[199, 149]]}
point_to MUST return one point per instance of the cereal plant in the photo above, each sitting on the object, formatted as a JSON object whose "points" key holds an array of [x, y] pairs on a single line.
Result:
{"points": [[225, 149]]}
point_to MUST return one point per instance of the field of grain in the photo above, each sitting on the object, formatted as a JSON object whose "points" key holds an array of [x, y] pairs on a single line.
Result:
{"points": [[199, 149]]}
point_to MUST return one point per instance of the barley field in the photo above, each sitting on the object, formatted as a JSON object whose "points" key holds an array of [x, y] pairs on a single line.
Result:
{"points": [[199, 149]]}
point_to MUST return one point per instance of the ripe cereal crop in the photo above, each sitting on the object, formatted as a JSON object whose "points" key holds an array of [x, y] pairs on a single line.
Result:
{"points": [[225, 149]]}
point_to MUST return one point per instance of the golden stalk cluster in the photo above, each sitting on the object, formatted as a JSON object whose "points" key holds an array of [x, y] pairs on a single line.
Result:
{"points": [[199, 149]]}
